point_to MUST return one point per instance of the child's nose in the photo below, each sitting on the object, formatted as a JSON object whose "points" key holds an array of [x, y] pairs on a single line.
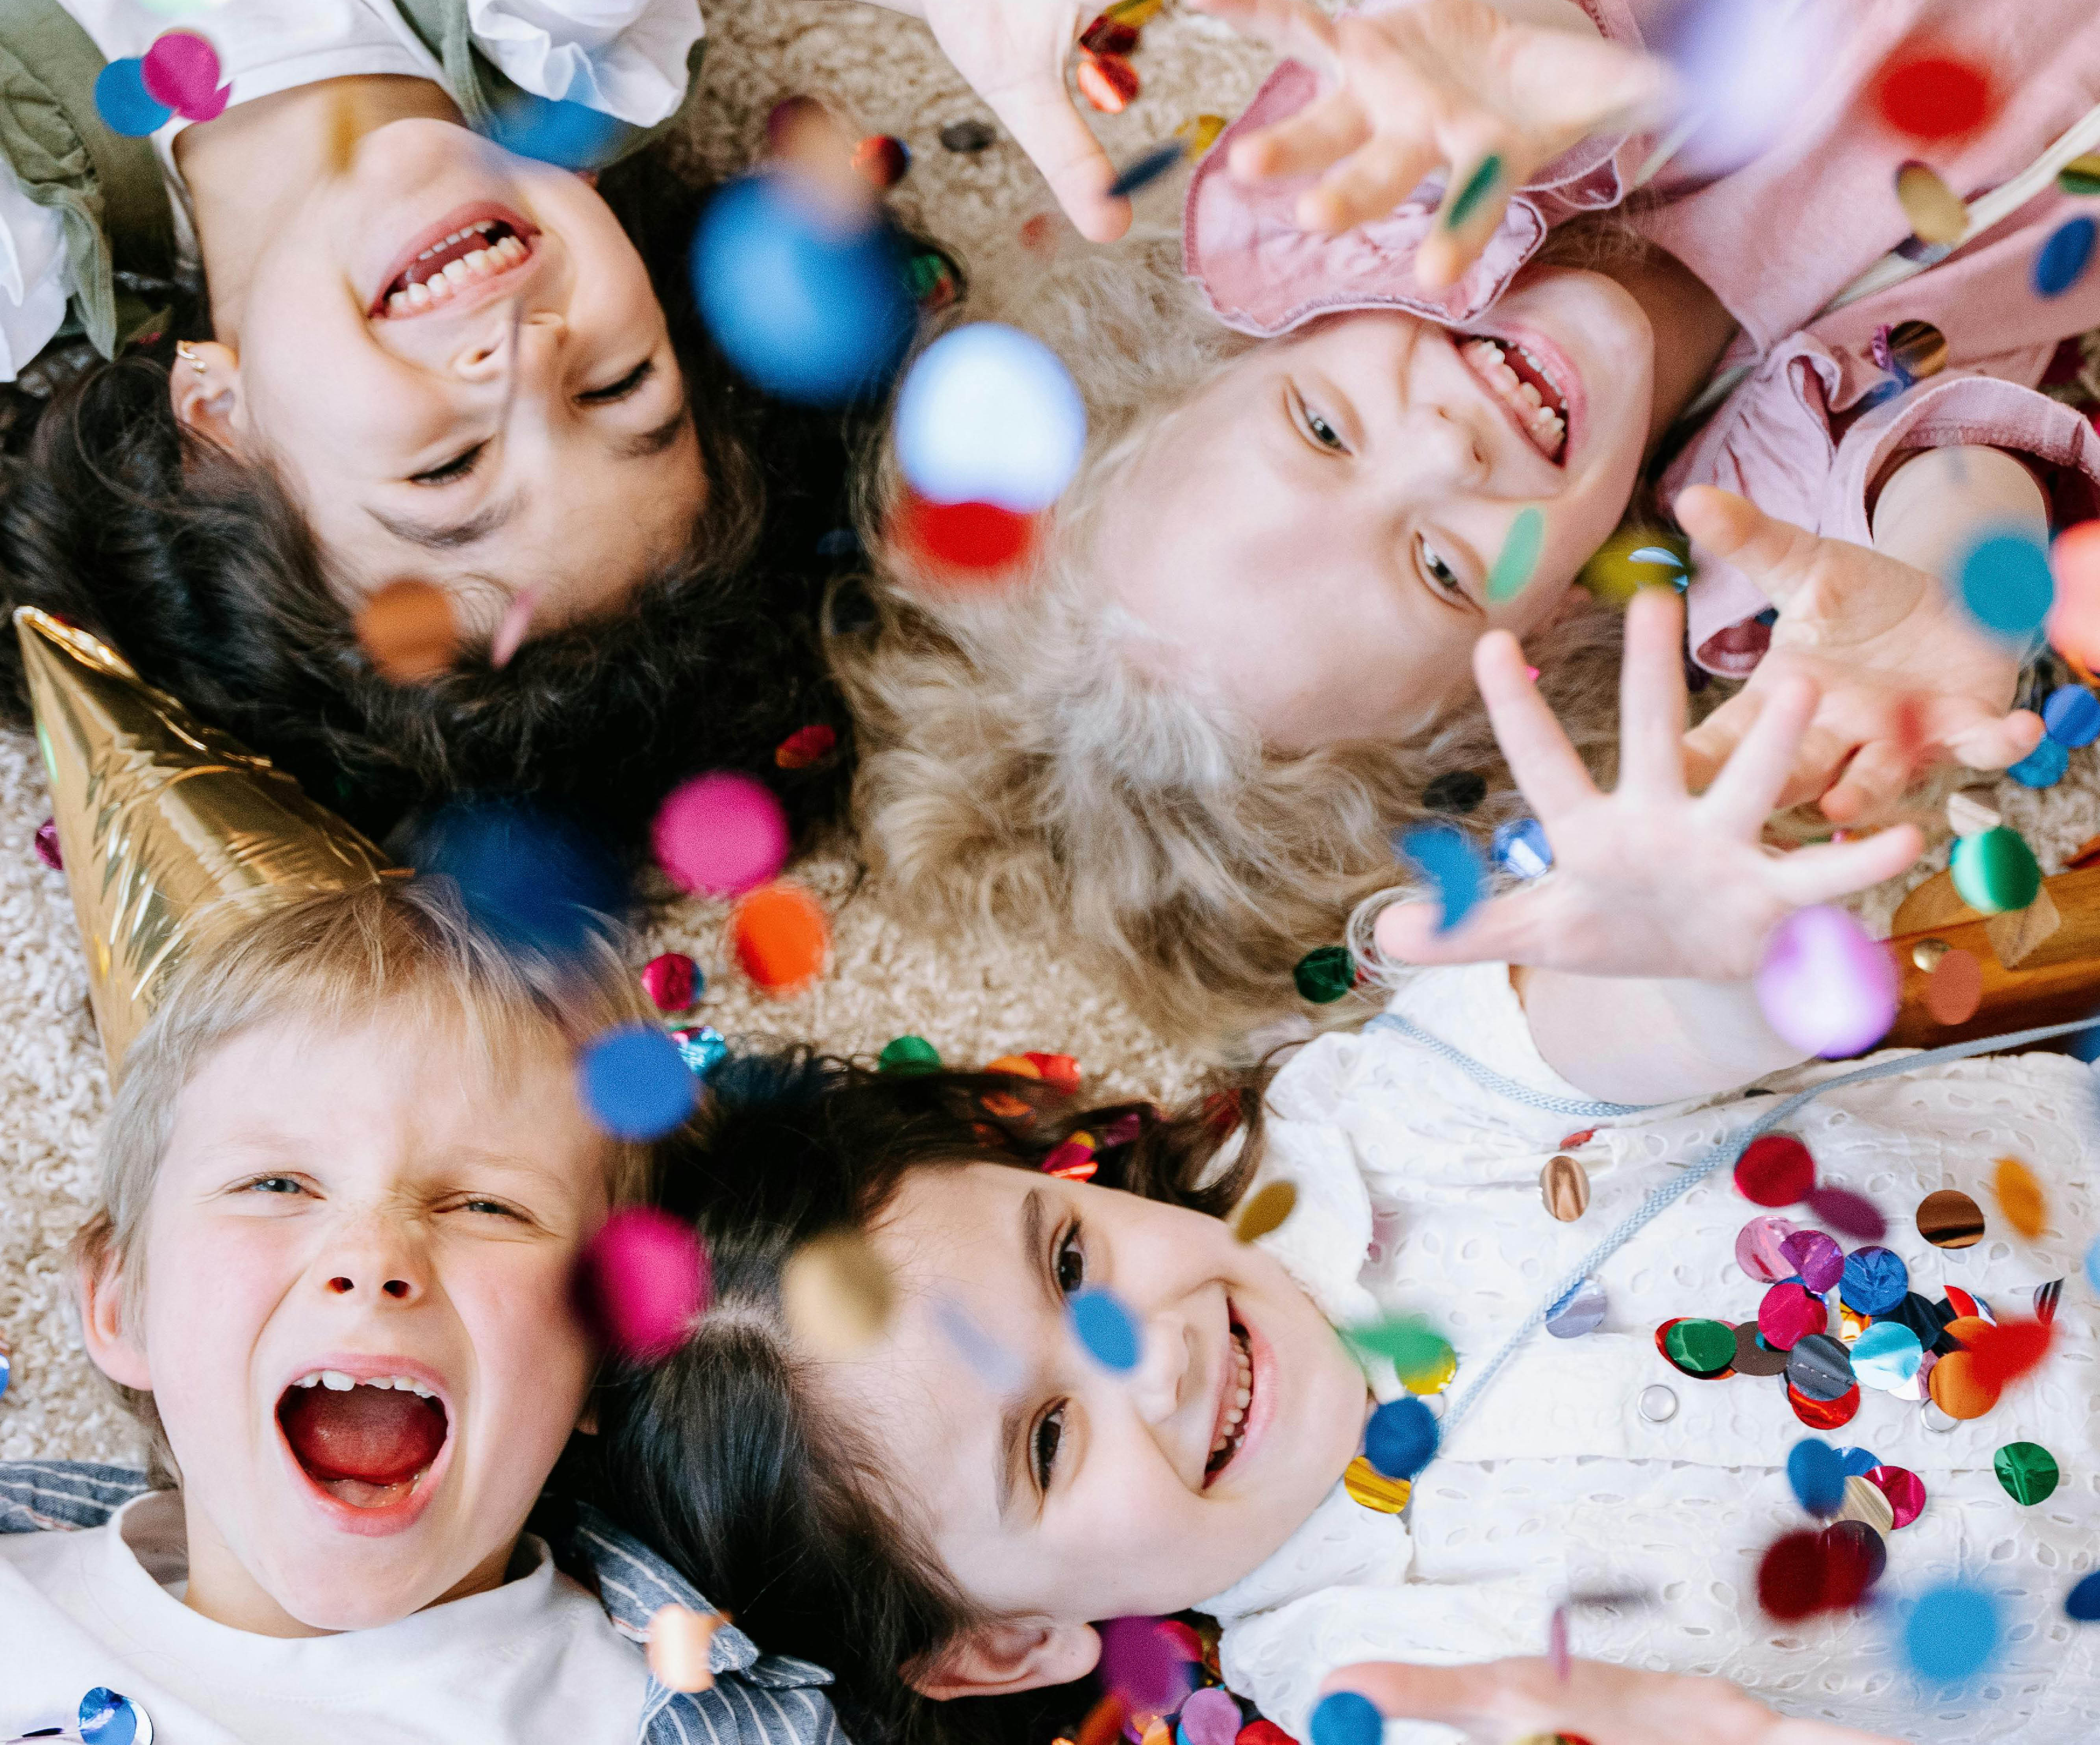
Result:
{"points": [[1449, 445], [372, 1263], [1159, 1383]]}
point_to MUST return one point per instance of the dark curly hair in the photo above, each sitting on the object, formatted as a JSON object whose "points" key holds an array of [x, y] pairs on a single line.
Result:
{"points": [[203, 571], [721, 1456]]}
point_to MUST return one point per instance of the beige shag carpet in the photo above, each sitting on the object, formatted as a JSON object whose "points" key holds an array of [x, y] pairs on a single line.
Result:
{"points": [[973, 1002]]}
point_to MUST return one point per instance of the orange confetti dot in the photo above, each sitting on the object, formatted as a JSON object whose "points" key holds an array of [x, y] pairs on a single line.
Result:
{"points": [[1104, 1721], [2020, 1198], [781, 936], [1959, 1389], [1019, 1065], [1108, 81], [407, 631]]}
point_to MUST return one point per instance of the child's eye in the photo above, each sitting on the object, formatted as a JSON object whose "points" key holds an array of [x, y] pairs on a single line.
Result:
{"points": [[628, 384], [1069, 1262], [1323, 434], [271, 1185], [490, 1207], [1043, 1452], [460, 466], [1434, 567]]}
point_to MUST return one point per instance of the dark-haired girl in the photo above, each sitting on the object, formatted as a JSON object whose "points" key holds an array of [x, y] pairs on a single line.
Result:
{"points": [[944, 1513], [367, 345]]}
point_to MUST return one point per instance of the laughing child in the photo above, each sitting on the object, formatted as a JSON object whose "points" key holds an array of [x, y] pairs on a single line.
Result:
{"points": [[375, 346], [973, 1503], [1326, 407], [345, 1182]]}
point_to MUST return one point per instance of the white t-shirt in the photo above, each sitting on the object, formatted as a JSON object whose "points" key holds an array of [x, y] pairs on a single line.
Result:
{"points": [[1418, 1192], [534, 1660], [626, 58]]}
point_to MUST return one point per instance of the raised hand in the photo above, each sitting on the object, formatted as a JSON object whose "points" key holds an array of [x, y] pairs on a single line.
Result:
{"points": [[1498, 1702], [1450, 84], [1649, 880], [1907, 681], [1014, 53]]}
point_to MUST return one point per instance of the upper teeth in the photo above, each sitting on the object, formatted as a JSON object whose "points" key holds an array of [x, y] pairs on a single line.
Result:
{"points": [[336, 1382], [478, 263], [1239, 1391], [482, 229], [1488, 360]]}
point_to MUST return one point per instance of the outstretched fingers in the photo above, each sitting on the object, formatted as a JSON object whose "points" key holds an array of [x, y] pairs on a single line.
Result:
{"points": [[1833, 870], [1039, 115], [1547, 771], [1652, 696], [1747, 790], [1775, 554]]}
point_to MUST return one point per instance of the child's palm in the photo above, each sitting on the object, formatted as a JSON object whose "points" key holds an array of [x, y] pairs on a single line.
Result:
{"points": [[1648, 880], [1906, 679]]}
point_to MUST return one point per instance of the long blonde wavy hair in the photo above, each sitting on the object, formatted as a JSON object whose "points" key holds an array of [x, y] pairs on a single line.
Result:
{"points": [[1026, 762]]}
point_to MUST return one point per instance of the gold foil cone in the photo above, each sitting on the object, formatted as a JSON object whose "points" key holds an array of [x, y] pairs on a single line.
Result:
{"points": [[168, 828]]}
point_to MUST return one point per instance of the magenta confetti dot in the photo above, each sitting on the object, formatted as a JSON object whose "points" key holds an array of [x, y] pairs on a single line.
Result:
{"points": [[1145, 1663], [181, 69], [1819, 1261], [1853, 1214], [1757, 1249], [644, 1279], [47, 845], [672, 980], [1788, 1315], [1210, 1717], [722, 833]]}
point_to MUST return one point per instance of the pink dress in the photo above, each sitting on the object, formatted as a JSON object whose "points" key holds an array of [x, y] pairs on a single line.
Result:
{"points": [[1775, 241]]}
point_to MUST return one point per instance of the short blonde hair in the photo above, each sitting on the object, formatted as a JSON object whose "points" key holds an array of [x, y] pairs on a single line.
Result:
{"points": [[1024, 764], [330, 962]]}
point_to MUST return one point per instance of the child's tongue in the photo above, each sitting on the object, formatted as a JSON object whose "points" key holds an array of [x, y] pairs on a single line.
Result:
{"points": [[362, 1442]]}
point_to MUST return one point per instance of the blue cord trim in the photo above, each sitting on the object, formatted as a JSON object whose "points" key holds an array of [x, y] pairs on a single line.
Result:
{"points": [[1494, 1081]]}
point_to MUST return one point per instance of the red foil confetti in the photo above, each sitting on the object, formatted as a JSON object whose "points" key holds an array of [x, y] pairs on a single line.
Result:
{"points": [[966, 539], [1934, 94], [1775, 1170], [805, 747], [1108, 81]]}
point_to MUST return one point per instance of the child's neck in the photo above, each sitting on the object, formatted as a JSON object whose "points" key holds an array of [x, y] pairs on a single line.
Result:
{"points": [[252, 171], [1692, 329], [221, 1588]]}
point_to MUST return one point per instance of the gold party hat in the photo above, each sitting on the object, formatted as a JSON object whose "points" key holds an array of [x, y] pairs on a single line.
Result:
{"points": [[167, 828]]}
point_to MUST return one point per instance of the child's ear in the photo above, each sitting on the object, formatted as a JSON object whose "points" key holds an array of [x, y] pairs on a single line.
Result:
{"points": [[110, 1345], [204, 387], [998, 1659]]}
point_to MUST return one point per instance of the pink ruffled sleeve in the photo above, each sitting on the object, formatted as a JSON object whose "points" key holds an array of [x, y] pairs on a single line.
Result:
{"points": [[1264, 276]]}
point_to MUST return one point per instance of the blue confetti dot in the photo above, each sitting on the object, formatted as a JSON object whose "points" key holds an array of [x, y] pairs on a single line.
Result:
{"points": [[1874, 1280], [4, 1370], [2006, 585], [809, 310], [553, 130], [1952, 1633], [532, 880], [2042, 767], [636, 1083], [2072, 716], [2093, 1254], [1346, 1718], [108, 1718], [2083, 1602], [1817, 1476], [1858, 1462], [1104, 1326], [1400, 1438], [1521, 849], [122, 99], [1444, 857], [2065, 257]]}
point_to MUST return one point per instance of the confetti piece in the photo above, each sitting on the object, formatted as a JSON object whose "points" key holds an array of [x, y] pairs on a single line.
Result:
{"points": [[1265, 1212], [1790, 1577], [1517, 560], [2082, 1604], [1325, 975], [1104, 1722], [781, 936], [1521, 849], [1209, 1718], [2004, 1353], [2020, 1198], [1954, 988], [408, 631], [883, 158], [1934, 211], [1110, 83], [1104, 1329], [1935, 95], [1775, 1169], [1448, 859], [672, 980], [181, 70], [634, 1083], [123, 100], [989, 414], [722, 833], [1825, 985], [963, 539], [106, 1718], [1144, 1663], [681, 1645], [1853, 1214], [2005, 583], [836, 1293], [1817, 1476], [644, 1280], [47, 844], [1556, 1643], [1407, 1341], [1952, 1633], [1199, 133], [2027, 1472], [1147, 168], [1347, 1717], [1400, 1438], [2065, 256], [514, 628]]}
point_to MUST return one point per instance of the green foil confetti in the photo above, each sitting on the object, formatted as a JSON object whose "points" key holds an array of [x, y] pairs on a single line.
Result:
{"points": [[2027, 1470], [1479, 185]]}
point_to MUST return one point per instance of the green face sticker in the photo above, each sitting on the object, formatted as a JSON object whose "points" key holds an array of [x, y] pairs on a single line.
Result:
{"points": [[1479, 185], [1520, 555]]}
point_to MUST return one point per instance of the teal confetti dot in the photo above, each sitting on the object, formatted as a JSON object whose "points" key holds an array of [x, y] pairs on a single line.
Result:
{"points": [[1347, 1717], [2043, 768], [2005, 585], [1517, 560], [1449, 861], [1952, 1633], [1105, 1328]]}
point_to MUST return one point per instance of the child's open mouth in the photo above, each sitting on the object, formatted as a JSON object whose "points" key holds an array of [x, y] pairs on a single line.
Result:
{"points": [[1238, 1396], [1517, 378], [368, 1443], [442, 268]]}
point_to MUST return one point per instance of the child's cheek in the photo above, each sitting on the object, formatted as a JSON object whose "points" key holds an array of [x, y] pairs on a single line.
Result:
{"points": [[212, 1289], [531, 1345]]}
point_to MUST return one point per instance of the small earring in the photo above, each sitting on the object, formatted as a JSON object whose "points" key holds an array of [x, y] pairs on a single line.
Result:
{"points": [[188, 353]]}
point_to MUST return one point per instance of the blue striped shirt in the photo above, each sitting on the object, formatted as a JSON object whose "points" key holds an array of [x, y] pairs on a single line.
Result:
{"points": [[757, 1698]]}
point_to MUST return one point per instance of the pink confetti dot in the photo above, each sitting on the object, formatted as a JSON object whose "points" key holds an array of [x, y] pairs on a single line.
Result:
{"points": [[722, 833], [181, 69], [644, 1279]]}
